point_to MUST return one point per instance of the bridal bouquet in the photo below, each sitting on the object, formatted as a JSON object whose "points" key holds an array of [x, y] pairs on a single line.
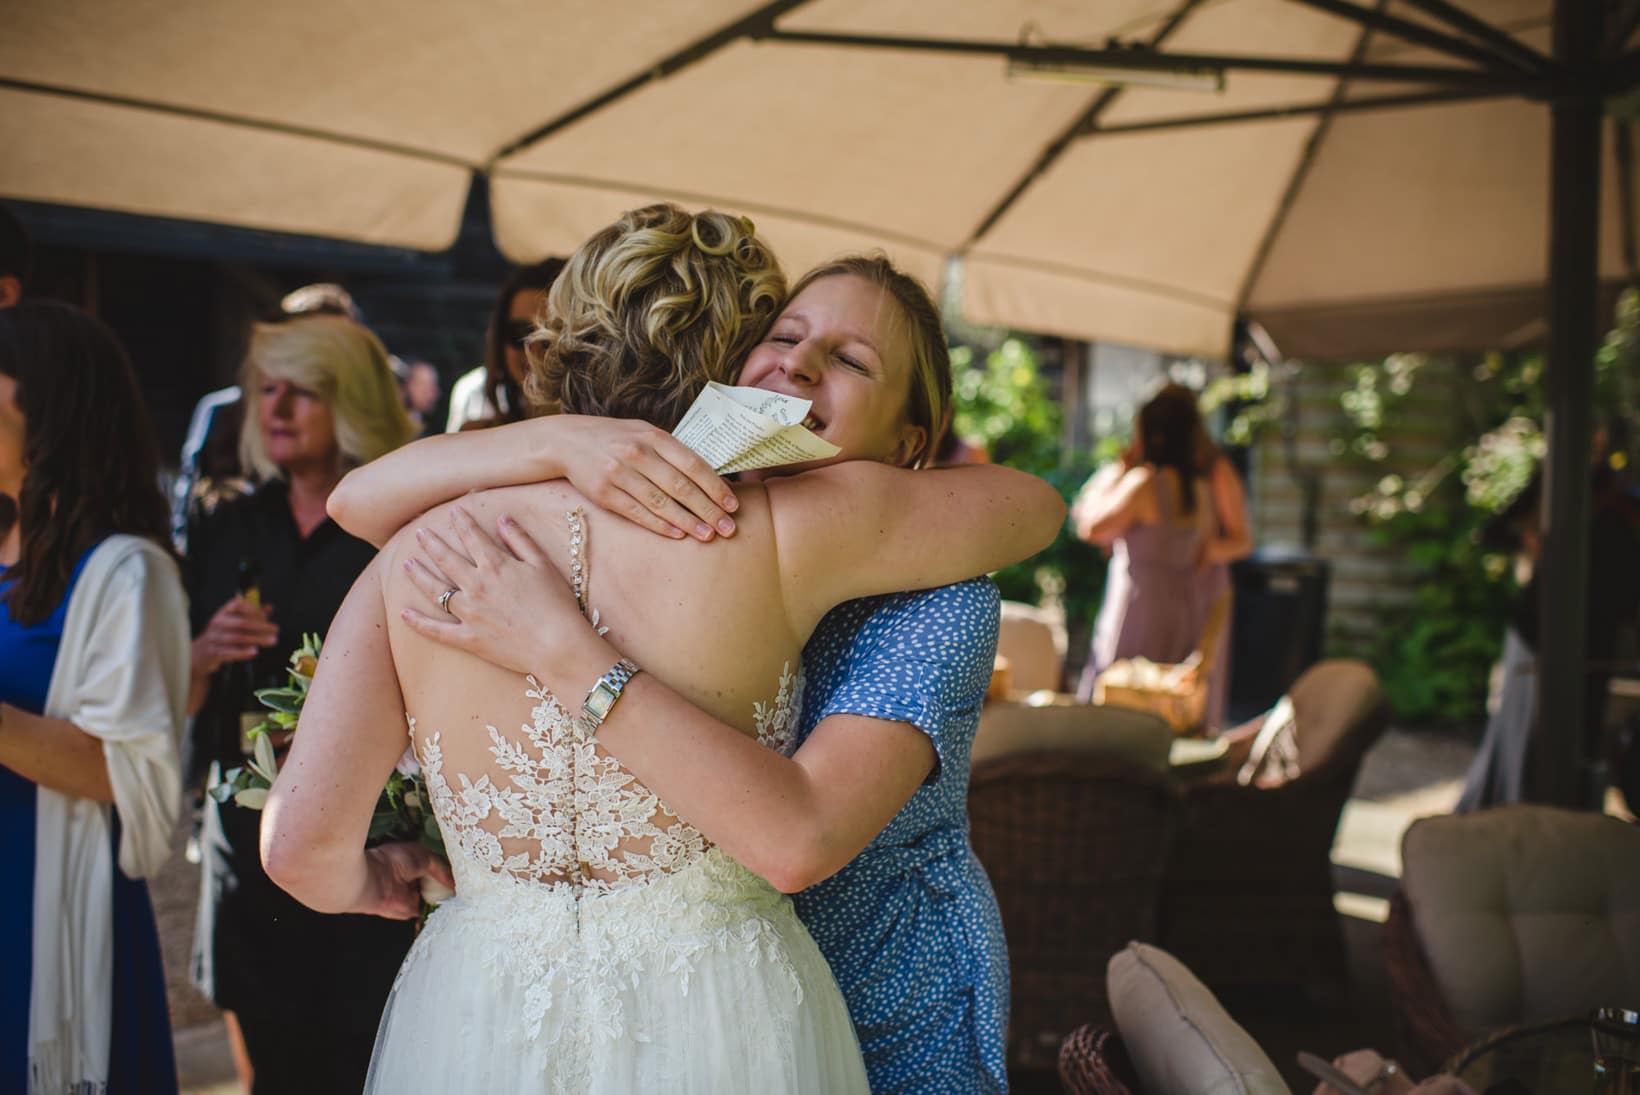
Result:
{"points": [[403, 811]]}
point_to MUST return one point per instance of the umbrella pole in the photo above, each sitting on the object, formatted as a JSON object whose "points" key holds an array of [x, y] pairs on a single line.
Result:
{"points": [[1561, 757]]}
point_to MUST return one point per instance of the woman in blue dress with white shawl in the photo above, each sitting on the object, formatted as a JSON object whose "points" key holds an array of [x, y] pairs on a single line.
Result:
{"points": [[93, 684]]}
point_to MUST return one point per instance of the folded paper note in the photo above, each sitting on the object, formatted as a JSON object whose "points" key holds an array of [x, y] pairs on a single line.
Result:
{"points": [[739, 429]]}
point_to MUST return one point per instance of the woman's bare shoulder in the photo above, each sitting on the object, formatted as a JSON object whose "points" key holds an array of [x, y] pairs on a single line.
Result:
{"points": [[1140, 475]]}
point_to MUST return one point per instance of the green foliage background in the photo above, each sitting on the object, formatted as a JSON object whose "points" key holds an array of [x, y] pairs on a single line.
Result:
{"points": [[1434, 653], [1003, 401]]}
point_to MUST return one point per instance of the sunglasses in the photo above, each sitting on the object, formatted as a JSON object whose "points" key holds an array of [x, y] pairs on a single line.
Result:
{"points": [[515, 331]]}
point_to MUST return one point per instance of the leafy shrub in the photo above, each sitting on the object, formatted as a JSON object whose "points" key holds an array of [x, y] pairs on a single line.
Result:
{"points": [[1434, 652], [1003, 402]]}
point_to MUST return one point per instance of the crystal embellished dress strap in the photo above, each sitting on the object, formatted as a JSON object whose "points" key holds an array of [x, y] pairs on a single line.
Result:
{"points": [[576, 519]]}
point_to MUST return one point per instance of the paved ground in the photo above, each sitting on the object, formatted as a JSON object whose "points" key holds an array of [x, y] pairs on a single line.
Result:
{"points": [[202, 1047], [1408, 774]]}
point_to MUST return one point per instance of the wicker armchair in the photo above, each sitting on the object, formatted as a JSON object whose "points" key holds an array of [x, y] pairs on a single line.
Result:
{"points": [[1518, 914], [1248, 899], [1074, 843], [1093, 1061]]}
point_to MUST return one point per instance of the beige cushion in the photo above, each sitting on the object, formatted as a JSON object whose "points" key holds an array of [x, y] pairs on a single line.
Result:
{"points": [[1134, 736], [1329, 699], [1526, 913], [1033, 641], [1177, 1035]]}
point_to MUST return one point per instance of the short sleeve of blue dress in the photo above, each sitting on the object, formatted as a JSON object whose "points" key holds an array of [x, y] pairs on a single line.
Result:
{"points": [[911, 927]]}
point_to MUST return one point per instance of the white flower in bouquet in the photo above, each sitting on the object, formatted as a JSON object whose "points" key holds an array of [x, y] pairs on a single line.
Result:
{"points": [[402, 812]]}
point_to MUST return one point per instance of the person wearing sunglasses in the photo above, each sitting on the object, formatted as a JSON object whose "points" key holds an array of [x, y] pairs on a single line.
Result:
{"points": [[493, 393]]}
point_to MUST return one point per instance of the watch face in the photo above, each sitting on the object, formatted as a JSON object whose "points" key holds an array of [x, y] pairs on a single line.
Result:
{"points": [[600, 700]]}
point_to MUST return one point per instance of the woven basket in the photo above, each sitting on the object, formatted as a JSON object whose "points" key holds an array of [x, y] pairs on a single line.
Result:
{"points": [[1177, 692], [1182, 707]]}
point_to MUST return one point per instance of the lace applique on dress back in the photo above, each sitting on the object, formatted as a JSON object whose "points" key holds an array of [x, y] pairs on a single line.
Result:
{"points": [[776, 720], [552, 807]]}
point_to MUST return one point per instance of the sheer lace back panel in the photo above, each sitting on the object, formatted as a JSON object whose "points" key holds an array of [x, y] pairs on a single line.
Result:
{"points": [[542, 802]]}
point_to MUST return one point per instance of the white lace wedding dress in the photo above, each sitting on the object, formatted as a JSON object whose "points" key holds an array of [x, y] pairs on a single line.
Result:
{"points": [[597, 943]]}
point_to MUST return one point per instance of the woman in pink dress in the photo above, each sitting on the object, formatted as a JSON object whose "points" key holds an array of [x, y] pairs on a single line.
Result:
{"points": [[1173, 514]]}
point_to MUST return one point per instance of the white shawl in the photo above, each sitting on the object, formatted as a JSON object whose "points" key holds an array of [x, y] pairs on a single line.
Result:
{"points": [[121, 676]]}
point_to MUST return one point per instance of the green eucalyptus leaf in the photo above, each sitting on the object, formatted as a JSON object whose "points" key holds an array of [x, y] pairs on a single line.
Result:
{"points": [[285, 700], [266, 764], [252, 798]]}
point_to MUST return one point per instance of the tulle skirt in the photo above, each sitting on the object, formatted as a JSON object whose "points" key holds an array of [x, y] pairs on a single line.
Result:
{"points": [[702, 981]]}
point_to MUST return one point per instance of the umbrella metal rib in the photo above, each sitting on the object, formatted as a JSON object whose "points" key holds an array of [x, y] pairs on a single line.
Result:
{"points": [[1300, 172], [750, 26], [241, 121], [1377, 19], [1082, 125], [1152, 61], [1482, 31], [1298, 110]]}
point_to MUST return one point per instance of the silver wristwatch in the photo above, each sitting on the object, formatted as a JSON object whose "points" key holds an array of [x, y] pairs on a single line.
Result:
{"points": [[601, 700]]}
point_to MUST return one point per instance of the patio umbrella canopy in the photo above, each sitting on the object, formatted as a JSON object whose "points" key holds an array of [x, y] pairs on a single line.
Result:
{"points": [[1360, 176], [1079, 209]]}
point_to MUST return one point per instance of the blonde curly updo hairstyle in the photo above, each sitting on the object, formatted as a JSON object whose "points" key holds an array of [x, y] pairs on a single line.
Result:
{"points": [[650, 309]]}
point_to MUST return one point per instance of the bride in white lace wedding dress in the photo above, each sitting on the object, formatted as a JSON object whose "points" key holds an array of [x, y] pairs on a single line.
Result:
{"points": [[597, 942], [590, 921]]}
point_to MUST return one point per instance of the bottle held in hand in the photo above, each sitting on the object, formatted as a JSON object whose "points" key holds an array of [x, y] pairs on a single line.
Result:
{"points": [[251, 713]]}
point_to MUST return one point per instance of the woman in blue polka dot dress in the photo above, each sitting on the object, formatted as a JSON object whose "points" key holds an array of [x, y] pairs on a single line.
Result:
{"points": [[863, 815], [910, 925]]}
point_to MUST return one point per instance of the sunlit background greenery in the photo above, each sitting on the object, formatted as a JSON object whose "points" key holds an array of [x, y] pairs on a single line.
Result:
{"points": [[1432, 652]]}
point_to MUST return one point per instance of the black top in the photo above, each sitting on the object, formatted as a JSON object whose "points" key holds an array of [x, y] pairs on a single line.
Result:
{"points": [[304, 580], [269, 955]]}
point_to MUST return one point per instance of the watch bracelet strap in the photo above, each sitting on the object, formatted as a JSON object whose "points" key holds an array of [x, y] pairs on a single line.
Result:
{"points": [[614, 681], [621, 672]]}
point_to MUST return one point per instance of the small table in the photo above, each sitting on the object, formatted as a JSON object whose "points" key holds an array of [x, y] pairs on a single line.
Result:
{"points": [[1543, 1058]]}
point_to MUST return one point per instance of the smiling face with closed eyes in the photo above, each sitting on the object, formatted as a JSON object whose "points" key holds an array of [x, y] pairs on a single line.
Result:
{"points": [[843, 343]]}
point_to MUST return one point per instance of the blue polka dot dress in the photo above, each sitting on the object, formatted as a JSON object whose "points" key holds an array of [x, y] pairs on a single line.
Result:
{"points": [[911, 926]]}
